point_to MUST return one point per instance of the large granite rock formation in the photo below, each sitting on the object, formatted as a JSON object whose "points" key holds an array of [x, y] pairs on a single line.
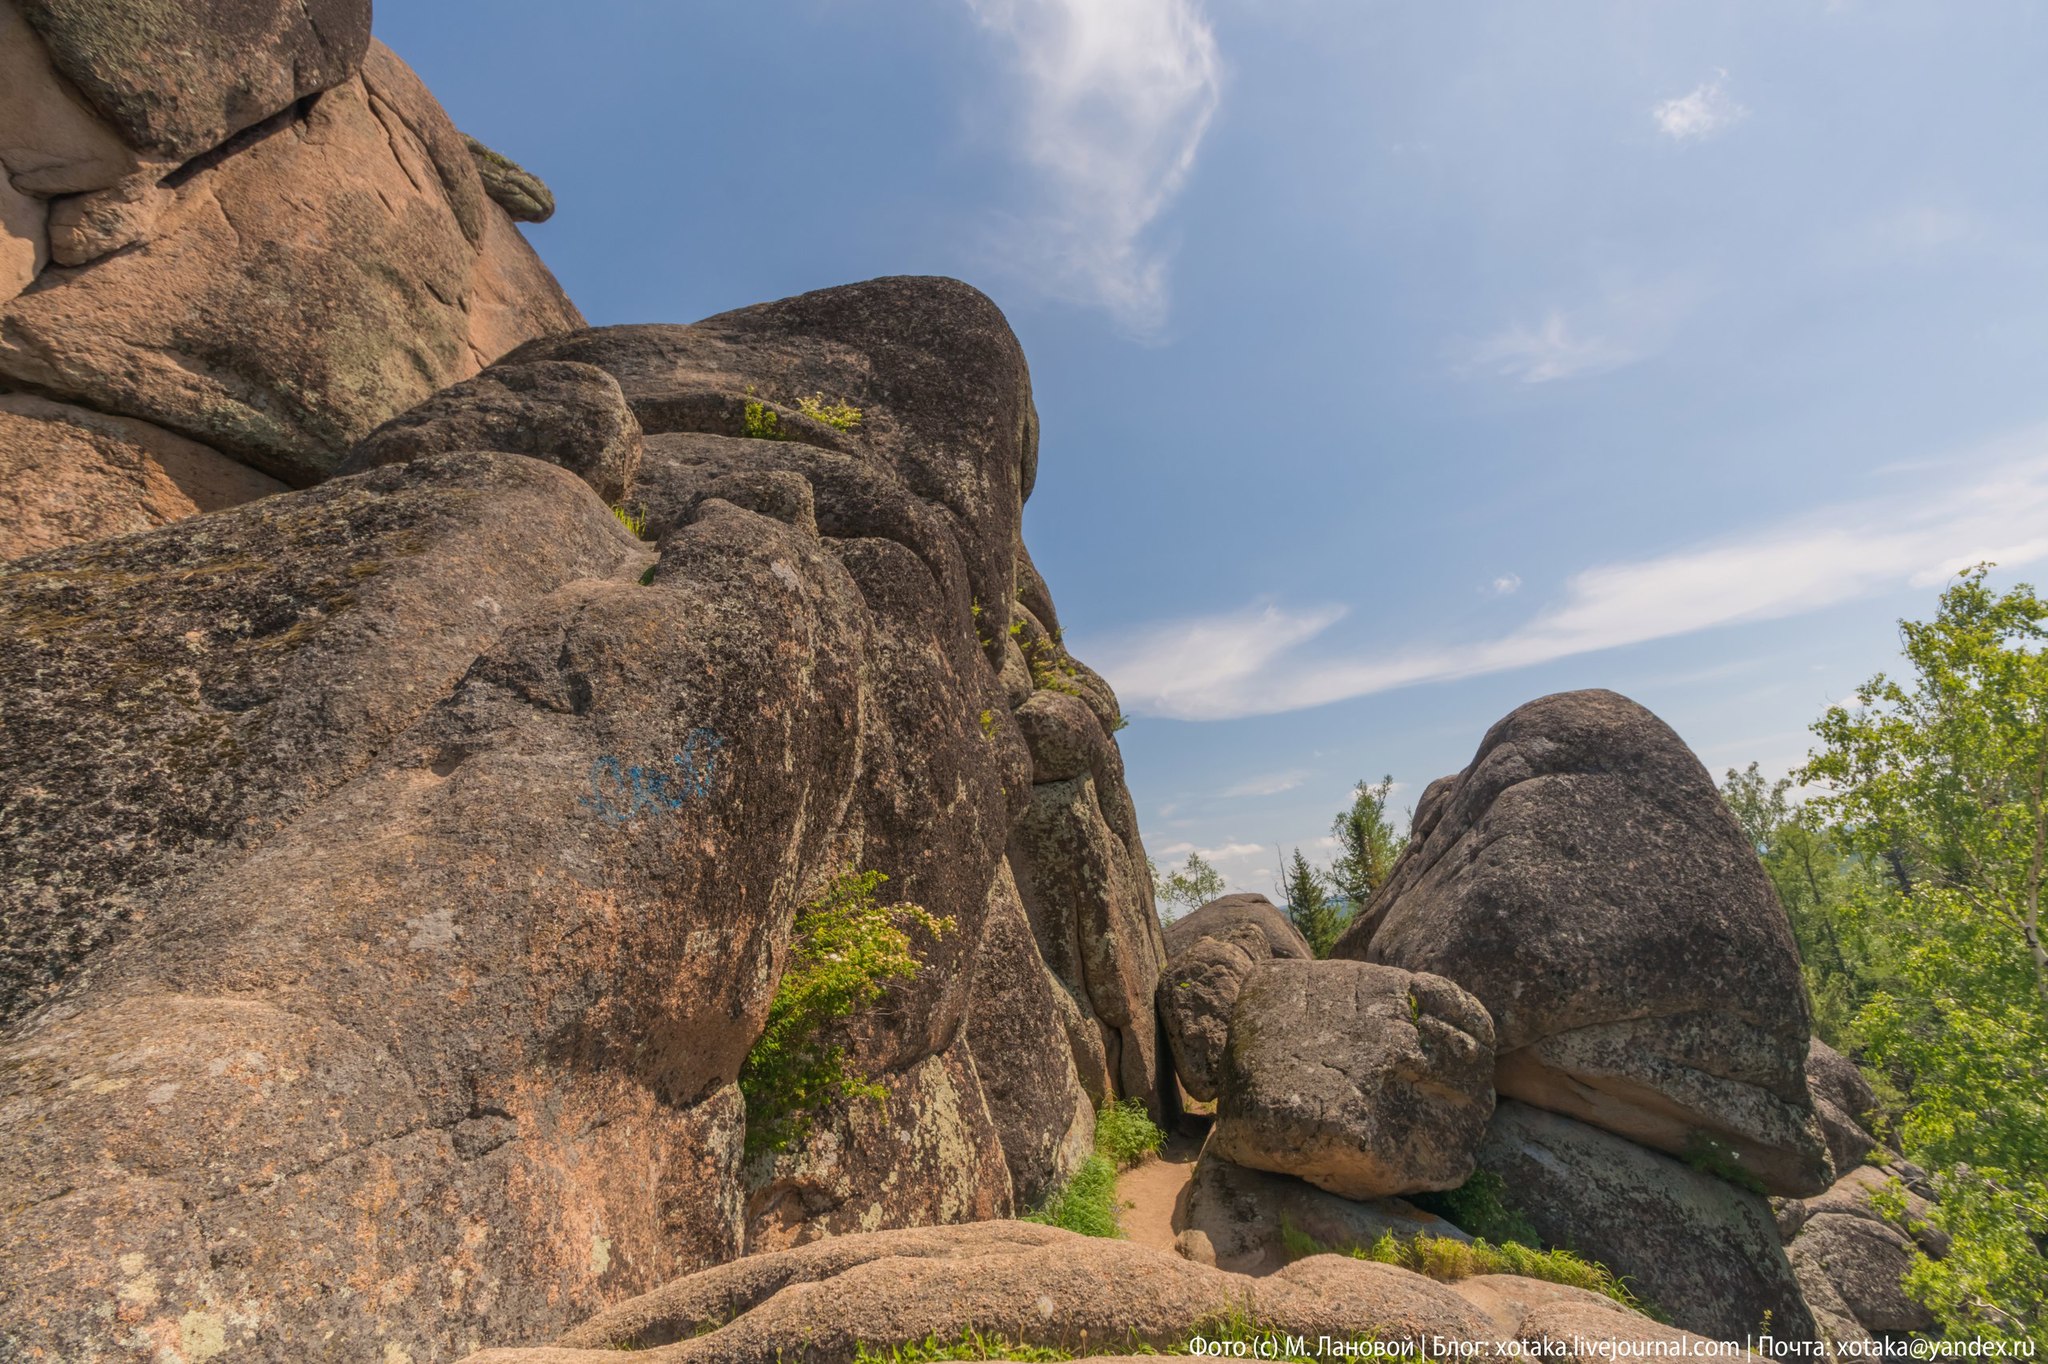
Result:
{"points": [[1704, 1251], [1585, 880], [246, 229], [398, 872], [1364, 1080]]}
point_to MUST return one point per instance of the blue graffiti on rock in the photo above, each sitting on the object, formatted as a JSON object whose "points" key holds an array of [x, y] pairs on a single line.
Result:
{"points": [[620, 794]]}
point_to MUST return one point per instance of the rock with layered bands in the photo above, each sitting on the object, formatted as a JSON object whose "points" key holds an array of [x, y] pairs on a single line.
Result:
{"points": [[1700, 1249], [1585, 880], [1040, 1288]]}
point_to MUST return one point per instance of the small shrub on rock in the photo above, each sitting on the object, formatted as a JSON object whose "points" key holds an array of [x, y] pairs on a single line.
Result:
{"points": [[847, 947]]}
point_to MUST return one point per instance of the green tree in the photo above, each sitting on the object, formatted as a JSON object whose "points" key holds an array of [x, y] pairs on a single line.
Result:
{"points": [[1192, 886], [1938, 782], [1308, 905], [1819, 887], [1367, 844]]}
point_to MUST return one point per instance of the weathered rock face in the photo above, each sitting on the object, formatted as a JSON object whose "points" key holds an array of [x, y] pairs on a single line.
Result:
{"points": [[1841, 1100], [398, 872], [1584, 879], [69, 474], [565, 413], [1245, 1214], [1044, 1115], [1704, 1251], [1363, 1080], [242, 224], [1863, 1262], [177, 80]]}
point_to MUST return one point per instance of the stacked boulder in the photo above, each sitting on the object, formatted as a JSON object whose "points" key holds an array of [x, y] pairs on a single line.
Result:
{"points": [[234, 237], [1338, 1085], [1852, 1246], [1579, 926]]}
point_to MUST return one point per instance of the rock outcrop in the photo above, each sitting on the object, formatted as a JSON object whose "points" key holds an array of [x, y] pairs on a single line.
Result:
{"points": [[1584, 879], [1248, 1217], [1704, 1251], [1038, 1286], [1843, 1101], [244, 228], [1851, 1256], [1364, 1080], [398, 872]]}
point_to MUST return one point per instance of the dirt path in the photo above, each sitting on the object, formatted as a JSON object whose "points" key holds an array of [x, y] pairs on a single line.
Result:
{"points": [[1149, 1191]]}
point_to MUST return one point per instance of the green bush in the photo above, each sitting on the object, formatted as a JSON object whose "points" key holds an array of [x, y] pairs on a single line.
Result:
{"points": [[761, 421], [1126, 1134], [840, 415], [847, 947], [1480, 1207], [1086, 1203], [1719, 1159]]}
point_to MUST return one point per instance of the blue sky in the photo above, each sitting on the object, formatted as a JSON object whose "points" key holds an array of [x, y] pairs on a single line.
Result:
{"points": [[1397, 363]]}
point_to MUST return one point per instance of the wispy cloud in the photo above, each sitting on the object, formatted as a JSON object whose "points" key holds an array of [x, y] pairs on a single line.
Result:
{"points": [[1270, 784], [1117, 96], [1620, 327], [1260, 661], [1506, 585], [1700, 113]]}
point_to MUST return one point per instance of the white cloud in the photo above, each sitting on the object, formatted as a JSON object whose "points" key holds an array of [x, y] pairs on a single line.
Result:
{"points": [[1117, 95], [1257, 661], [1506, 585], [1620, 327], [1698, 115], [1270, 784]]}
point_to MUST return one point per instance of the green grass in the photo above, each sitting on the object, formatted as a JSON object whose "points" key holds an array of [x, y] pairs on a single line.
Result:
{"points": [[1447, 1260], [1086, 1203], [761, 421], [632, 519], [1126, 1134]]}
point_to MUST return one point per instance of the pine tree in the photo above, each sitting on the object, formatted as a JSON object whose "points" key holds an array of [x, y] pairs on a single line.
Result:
{"points": [[1308, 905], [1368, 842]]}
